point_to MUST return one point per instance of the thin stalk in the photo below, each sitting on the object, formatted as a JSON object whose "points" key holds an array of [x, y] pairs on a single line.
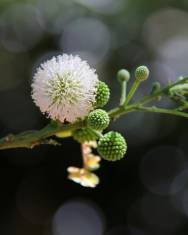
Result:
{"points": [[131, 92], [123, 92], [161, 110]]}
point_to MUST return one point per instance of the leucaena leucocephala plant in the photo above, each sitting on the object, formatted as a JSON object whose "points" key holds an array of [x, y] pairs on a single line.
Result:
{"points": [[67, 90]]}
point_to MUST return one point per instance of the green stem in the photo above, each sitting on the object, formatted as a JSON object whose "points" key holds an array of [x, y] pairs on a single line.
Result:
{"points": [[119, 111], [161, 110], [163, 92], [183, 107], [123, 92], [30, 139], [131, 92]]}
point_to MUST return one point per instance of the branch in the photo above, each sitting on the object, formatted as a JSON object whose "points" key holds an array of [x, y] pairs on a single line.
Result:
{"points": [[161, 110], [30, 139], [162, 92]]}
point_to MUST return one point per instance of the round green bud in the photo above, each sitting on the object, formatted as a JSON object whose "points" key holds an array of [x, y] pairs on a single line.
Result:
{"points": [[155, 87], [142, 73], [123, 75], [98, 119], [112, 146], [84, 134], [102, 95]]}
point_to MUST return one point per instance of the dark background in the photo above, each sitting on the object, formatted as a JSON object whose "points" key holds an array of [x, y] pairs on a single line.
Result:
{"points": [[144, 194]]}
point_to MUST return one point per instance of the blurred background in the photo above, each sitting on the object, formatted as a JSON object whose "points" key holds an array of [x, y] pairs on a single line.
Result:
{"points": [[144, 194]]}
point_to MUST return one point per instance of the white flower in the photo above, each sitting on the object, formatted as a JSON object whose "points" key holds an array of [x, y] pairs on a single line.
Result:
{"points": [[64, 88]]}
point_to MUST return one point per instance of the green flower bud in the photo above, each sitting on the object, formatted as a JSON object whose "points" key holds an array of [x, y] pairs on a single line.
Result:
{"points": [[155, 87], [102, 95], [123, 75], [84, 134], [181, 89], [112, 146], [142, 73], [98, 119]]}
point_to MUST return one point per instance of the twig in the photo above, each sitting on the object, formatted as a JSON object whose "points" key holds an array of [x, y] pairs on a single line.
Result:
{"points": [[30, 139]]}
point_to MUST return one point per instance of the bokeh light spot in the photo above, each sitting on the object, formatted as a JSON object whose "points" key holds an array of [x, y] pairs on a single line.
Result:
{"points": [[78, 217]]}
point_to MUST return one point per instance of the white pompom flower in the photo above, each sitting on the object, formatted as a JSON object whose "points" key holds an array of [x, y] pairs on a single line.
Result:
{"points": [[64, 88]]}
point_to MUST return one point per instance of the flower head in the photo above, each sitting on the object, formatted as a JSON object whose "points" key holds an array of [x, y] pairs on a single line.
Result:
{"points": [[142, 73], [123, 75], [102, 95], [112, 146], [98, 119], [64, 87]]}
